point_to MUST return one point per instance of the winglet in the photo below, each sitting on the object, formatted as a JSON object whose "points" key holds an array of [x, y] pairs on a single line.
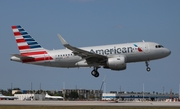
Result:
{"points": [[62, 40]]}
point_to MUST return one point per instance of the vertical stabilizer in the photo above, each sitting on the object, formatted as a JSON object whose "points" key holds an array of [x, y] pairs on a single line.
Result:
{"points": [[28, 47]]}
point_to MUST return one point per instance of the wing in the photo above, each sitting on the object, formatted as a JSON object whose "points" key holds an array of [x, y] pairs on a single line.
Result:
{"points": [[91, 58]]}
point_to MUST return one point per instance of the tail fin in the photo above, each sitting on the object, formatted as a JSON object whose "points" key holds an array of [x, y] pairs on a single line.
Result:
{"points": [[27, 46]]}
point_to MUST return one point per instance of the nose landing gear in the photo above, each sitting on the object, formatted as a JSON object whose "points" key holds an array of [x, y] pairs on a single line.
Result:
{"points": [[147, 65]]}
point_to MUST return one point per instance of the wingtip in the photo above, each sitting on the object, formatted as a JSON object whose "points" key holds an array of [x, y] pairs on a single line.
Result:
{"points": [[63, 41]]}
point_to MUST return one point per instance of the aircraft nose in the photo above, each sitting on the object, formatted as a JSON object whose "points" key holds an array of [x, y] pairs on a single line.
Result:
{"points": [[167, 52]]}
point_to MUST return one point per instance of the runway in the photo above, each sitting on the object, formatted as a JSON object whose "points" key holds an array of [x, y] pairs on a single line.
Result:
{"points": [[86, 103]]}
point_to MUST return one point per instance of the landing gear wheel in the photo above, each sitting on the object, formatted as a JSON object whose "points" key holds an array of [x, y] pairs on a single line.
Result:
{"points": [[95, 73], [148, 69]]}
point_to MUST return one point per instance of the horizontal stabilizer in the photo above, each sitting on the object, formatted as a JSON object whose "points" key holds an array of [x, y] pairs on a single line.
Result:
{"points": [[22, 57]]}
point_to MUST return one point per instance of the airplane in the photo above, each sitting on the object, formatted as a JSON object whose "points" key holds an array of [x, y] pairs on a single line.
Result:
{"points": [[3, 97], [114, 56], [47, 96]]}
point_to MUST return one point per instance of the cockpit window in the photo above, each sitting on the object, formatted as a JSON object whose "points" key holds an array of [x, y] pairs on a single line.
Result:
{"points": [[159, 46]]}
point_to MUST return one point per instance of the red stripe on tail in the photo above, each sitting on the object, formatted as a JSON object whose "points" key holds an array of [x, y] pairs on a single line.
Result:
{"points": [[34, 53], [23, 47], [17, 33], [13, 27], [20, 40]]}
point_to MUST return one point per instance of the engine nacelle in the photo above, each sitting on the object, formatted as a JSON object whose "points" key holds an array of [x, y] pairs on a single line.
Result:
{"points": [[117, 63]]}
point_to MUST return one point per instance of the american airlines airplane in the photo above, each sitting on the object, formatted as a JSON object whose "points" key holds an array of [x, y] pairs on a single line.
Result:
{"points": [[114, 57]]}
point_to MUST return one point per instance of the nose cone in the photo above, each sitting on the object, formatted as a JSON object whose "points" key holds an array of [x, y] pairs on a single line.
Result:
{"points": [[167, 52]]}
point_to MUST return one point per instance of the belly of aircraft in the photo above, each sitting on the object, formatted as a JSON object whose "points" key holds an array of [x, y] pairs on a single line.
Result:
{"points": [[65, 62]]}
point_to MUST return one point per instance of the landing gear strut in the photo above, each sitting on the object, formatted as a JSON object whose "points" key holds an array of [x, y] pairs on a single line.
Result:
{"points": [[147, 65], [95, 73]]}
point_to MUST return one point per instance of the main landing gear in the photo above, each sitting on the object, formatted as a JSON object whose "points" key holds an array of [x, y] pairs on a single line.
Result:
{"points": [[147, 65], [95, 73]]}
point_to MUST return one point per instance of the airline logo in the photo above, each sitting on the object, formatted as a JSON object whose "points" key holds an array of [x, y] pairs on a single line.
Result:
{"points": [[28, 46], [139, 49], [114, 50]]}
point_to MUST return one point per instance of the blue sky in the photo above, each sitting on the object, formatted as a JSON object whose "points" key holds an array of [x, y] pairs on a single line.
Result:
{"points": [[86, 23]]}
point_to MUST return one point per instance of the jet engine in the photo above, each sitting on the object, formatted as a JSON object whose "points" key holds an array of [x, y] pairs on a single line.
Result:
{"points": [[116, 63]]}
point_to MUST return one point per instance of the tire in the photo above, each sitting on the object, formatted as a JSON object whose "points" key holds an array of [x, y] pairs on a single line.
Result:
{"points": [[148, 69], [93, 72], [96, 75]]}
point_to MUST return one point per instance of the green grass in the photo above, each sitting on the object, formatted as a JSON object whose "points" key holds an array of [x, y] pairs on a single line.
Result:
{"points": [[86, 107]]}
